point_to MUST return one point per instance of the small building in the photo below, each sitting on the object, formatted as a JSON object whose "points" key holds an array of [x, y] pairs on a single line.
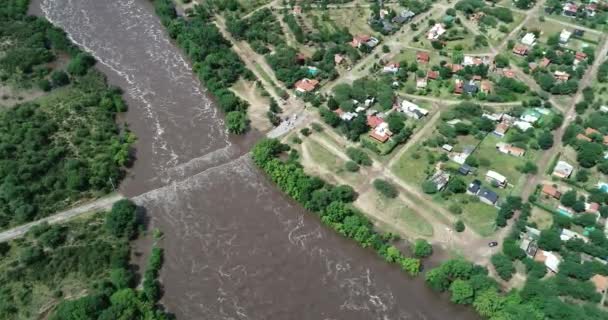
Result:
{"points": [[488, 196], [590, 131], [549, 259], [412, 110], [564, 36], [563, 170], [508, 73], [348, 116], [604, 109], [529, 245], [391, 67], [447, 147], [381, 132], [436, 32], [432, 75], [474, 187], [470, 88], [580, 56], [529, 39], [501, 129], [338, 59], [363, 39], [510, 149], [422, 57], [297, 10], [458, 87], [496, 178], [486, 86], [592, 207], [522, 125], [600, 282], [561, 75], [579, 33], [544, 62], [421, 83], [583, 137], [569, 9], [530, 116], [465, 169], [455, 67], [306, 85], [403, 17], [568, 234], [374, 121], [520, 49], [496, 117], [440, 179], [551, 191]]}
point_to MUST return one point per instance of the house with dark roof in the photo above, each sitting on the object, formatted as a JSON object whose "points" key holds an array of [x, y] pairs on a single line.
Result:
{"points": [[488, 196], [470, 88], [474, 187], [465, 169]]}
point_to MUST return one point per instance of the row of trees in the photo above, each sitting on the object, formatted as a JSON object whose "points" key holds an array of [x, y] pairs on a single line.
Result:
{"points": [[214, 61], [330, 202]]}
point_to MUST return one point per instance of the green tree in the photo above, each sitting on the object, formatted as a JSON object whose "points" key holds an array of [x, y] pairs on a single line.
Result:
{"points": [[462, 292], [121, 220], [549, 240], [545, 140], [459, 226], [237, 122], [569, 198], [422, 248], [504, 266], [385, 188], [488, 303], [429, 187]]}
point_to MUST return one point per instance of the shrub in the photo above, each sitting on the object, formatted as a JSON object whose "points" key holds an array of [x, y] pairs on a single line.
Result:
{"points": [[359, 156], [459, 226], [351, 166], [385, 188], [422, 248]]}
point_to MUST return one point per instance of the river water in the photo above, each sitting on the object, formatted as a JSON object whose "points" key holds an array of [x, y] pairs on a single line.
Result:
{"points": [[236, 248]]}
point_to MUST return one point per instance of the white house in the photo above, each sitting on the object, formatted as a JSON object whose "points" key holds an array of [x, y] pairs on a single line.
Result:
{"points": [[348, 116], [412, 110], [529, 39], [563, 169], [549, 259], [435, 32], [522, 125], [391, 67], [497, 178], [564, 36]]}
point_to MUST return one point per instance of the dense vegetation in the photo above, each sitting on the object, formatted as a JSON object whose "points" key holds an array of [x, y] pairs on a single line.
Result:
{"points": [[78, 270], [214, 61], [330, 202], [63, 146]]}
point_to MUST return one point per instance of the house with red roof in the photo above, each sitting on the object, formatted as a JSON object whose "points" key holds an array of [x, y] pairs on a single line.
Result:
{"points": [[306, 85], [423, 57]]}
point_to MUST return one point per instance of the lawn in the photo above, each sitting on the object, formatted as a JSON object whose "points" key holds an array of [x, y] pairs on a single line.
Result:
{"points": [[353, 19], [480, 217], [413, 166], [250, 5], [397, 212], [325, 158], [542, 218]]}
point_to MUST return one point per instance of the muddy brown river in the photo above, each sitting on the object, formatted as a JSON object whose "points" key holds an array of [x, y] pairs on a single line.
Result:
{"points": [[236, 248]]}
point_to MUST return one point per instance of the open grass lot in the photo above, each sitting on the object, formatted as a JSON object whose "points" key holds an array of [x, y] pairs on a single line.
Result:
{"points": [[480, 217], [413, 166], [395, 215], [548, 28], [354, 19], [327, 160], [467, 41], [542, 218], [495, 36]]}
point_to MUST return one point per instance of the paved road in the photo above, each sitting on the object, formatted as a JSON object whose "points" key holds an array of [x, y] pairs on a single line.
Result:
{"points": [[98, 205]]}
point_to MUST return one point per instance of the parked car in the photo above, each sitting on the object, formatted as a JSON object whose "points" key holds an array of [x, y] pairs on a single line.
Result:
{"points": [[492, 244]]}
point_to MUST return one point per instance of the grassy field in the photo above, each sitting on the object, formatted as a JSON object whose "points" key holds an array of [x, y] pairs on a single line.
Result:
{"points": [[480, 217], [325, 158], [398, 213], [542, 218], [354, 19], [413, 166]]}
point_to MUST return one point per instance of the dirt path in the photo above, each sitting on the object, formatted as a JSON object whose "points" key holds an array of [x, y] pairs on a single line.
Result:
{"points": [[422, 133], [63, 216]]}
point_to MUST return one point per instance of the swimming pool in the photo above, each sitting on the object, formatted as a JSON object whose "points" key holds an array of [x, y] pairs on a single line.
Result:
{"points": [[603, 186]]}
